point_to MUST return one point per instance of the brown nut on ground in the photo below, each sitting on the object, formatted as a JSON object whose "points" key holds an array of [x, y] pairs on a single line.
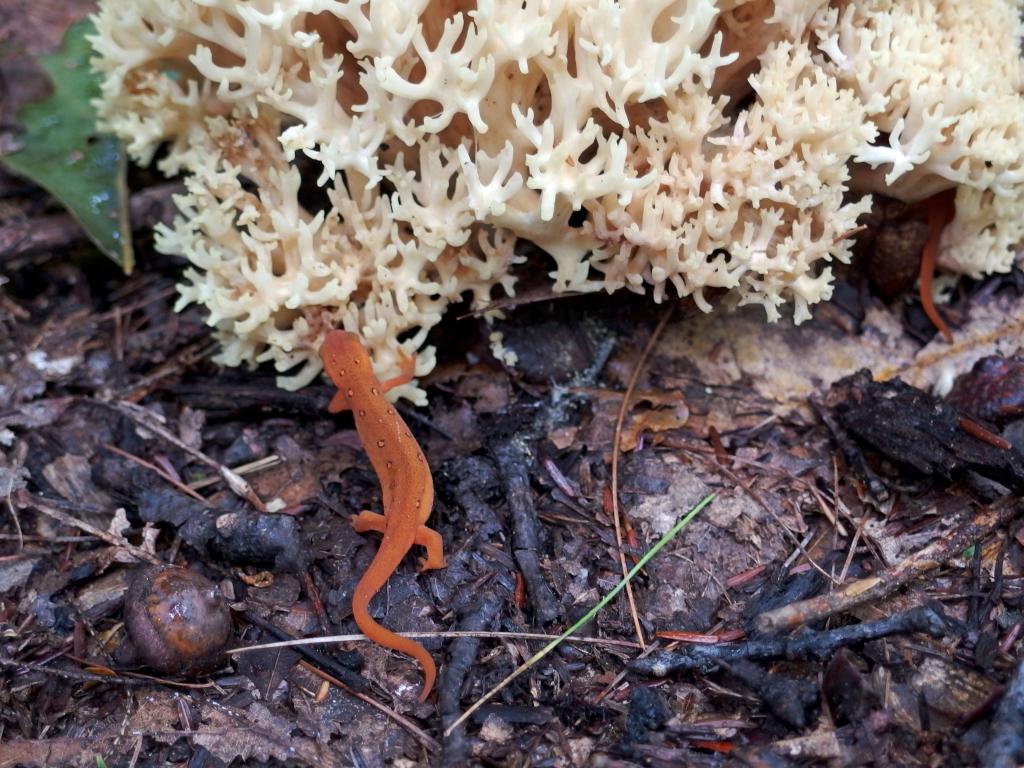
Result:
{"points": [[177, 621]]}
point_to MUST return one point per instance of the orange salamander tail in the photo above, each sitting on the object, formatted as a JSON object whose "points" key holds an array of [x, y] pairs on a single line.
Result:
{"points": [[384, 563]]}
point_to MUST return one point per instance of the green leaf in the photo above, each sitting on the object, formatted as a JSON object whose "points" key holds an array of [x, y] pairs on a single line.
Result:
{"points": [[62, 152]]}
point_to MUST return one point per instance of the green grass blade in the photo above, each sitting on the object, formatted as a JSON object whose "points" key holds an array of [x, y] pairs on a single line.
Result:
{"points": [[669, 535]]}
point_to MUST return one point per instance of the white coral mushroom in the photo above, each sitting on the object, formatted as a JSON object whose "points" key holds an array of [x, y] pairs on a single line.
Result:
{"points": [[363, 164], [944, 82]]}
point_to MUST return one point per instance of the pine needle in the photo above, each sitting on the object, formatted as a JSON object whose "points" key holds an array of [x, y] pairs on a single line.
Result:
{"points": [[616, 451]]}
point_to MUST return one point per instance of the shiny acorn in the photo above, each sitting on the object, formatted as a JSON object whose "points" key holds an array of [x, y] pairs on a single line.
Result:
{"points": [[177, 621]]}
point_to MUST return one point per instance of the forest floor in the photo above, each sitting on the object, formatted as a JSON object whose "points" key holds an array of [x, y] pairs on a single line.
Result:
{"points": [[851, 596]]}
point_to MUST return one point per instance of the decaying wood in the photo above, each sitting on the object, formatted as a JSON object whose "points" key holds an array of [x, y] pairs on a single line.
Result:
{"points": [[806, 644], [972, 528]]}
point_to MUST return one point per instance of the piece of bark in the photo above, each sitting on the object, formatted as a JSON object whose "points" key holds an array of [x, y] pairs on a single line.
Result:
{"points": [[918, 431]]}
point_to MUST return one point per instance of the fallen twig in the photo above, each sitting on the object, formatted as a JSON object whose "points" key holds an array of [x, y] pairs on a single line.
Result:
{"points": [[353, 680], [154, 468], [11, 479], [418, 733], [74, 674], [248, 468], [512, 457], [454, 634], [149, 421], [461, 657], [25, 499], [874, 588], [806, 644]]}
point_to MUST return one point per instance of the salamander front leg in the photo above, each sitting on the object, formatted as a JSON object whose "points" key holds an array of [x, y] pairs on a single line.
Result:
{"points": [[408, 368], [431, 541]]}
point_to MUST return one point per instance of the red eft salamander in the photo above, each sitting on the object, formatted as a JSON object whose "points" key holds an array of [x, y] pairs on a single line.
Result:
{"points": [[941, 210], [405, 480]]}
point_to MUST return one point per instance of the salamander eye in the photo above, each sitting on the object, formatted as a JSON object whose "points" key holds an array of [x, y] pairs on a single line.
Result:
{"points": [[380, 443]]}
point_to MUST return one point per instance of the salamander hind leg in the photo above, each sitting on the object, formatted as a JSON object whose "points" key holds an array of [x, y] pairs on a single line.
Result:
{"points": [[369, 521], [339, 403], [430, 540]]}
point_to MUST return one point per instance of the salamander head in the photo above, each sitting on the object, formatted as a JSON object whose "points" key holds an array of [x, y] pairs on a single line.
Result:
{"points": [[343, 357]]}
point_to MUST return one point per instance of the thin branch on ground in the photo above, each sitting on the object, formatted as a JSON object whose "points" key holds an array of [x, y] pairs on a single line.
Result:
{"points": [[150, 421], [249, 468], [14, 513], [154, 468], [806, 644], [356, 637], [971, 529], [26, 499], [616, 449]]}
